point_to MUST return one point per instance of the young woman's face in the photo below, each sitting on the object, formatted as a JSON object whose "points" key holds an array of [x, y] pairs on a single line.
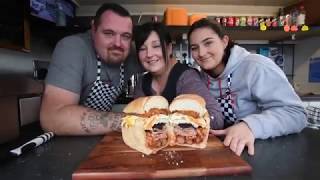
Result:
{"points": [[207, 49], [150, 54]]}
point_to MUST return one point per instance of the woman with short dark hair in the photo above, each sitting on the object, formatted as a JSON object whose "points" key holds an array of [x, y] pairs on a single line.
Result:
{"points": [[165, 76]]}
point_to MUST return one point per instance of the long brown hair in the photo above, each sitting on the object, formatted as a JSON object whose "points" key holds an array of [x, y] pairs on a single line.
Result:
{"points": [[215, 27]]}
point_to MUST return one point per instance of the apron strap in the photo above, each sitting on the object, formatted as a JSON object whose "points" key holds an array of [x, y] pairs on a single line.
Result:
{"points": [[229, 81], [229, 78], [98, 70], [121, 72]]}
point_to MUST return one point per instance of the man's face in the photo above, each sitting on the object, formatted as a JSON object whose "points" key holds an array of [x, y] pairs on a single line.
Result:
{"points": [[112, 37]]}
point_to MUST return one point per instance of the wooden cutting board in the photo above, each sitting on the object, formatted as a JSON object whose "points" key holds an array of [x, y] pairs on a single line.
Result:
{"points": [[112, 159]]}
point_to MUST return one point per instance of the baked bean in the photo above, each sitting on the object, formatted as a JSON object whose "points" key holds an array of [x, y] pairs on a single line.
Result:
{"points": [[164, 142], [204, 131], [198, 139], [199, 132], [180, 139], [158, 143], [189, 141]]}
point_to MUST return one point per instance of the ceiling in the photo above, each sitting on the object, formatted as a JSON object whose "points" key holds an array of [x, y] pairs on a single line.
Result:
{"points": [[216, 2]]}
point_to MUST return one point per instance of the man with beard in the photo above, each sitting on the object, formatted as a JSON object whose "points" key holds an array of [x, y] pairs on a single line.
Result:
{"points": [[87, 73]]}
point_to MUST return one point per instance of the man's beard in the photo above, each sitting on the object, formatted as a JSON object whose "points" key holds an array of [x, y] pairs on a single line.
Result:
{"points": [[116, 57]]}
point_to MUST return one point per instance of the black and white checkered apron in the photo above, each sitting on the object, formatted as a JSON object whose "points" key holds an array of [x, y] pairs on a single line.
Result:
{"points": [[102, 95], [226, 103]]}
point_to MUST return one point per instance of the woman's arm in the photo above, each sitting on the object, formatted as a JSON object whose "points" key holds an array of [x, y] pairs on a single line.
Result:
{"points": [[191, 83], [282, 112]]}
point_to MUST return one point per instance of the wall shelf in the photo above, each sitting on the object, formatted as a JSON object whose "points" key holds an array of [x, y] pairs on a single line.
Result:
{"points": [[254, 33], [236, 33]]}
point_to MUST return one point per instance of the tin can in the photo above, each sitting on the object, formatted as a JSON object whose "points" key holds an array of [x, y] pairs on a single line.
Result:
{"points": [[237, 21], [249, 21], [230, 22], [224, 21], [218, 19], [243, 21], [255, 21]]}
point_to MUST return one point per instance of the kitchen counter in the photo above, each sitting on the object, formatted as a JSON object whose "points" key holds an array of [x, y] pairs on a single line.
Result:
{"points": [[14, 87], [315, 97], [295, 156]]}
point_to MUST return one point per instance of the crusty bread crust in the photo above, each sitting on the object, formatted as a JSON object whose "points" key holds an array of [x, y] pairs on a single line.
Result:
{"points": [[135, 136], [142, 105], [189, 102], [195, 97], [136, 106]]}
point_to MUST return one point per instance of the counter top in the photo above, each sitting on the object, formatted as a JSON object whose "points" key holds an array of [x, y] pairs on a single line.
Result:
{"points": [[294, 156], [310, 98]]}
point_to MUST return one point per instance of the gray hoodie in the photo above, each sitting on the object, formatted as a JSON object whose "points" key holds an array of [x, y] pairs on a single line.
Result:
{"points": [[263, 96]]}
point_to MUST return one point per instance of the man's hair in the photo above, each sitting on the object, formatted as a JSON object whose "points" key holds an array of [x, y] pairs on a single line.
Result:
{"points": [[216, 28], [141, 34], [116, 8]]}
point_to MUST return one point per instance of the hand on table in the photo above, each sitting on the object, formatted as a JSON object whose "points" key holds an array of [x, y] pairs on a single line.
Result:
{"points": [[237, 137]]}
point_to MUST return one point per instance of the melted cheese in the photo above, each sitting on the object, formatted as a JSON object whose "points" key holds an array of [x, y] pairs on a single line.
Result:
{"points": [[180, 118], [162, 119], [129, 121], [156, 119]]}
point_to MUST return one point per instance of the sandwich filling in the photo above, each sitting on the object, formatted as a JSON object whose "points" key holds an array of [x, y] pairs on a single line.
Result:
{"points": [[151, 124], [185, 129], [156, 128]]}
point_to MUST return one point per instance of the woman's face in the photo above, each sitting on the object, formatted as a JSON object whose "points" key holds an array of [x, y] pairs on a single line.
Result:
{"points": [[150, 54], [207, 49]]}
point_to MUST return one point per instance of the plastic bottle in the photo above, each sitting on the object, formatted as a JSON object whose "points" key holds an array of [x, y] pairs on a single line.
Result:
{"points": [[281, 17], [294, 16], [301, 17]]}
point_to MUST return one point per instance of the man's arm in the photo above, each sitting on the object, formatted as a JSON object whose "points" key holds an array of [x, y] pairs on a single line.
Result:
{"points": [[61, 114]]}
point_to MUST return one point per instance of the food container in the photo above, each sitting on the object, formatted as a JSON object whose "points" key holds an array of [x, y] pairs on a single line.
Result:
{"points": [[176, 16], [230, 22], [195, 17], [237, 21], [255, 21], [224, 21], [249, 21], [243, 21], [218, 19]]}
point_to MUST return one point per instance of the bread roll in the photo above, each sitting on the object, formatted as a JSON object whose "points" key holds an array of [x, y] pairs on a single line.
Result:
{"points": [[137, 126], [143, 105], [189, 109]]}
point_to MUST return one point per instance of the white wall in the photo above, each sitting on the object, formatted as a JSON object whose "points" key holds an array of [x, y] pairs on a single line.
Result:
{"points": [[303, 51]]}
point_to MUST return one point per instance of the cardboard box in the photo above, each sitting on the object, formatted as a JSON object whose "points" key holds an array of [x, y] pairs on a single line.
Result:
{"points": [[176, 16], [195, 17]]}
